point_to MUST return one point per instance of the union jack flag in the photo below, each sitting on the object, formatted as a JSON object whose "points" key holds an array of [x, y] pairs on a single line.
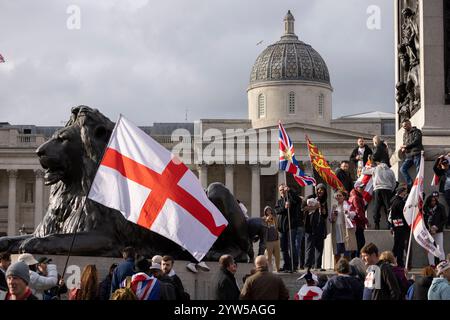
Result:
{"points": [[288, 162]]}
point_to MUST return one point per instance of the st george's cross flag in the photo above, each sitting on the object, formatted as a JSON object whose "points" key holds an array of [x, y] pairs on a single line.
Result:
{"points": [[414, 215], [153, 189], [288, 162]]}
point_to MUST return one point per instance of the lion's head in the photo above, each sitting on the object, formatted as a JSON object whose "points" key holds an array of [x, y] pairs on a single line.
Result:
{"points": [[71, 156]]}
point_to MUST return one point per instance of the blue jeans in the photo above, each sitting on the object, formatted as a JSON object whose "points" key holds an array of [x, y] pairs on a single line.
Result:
{"points": [[299, 239], [286, 249], [408, 163]]}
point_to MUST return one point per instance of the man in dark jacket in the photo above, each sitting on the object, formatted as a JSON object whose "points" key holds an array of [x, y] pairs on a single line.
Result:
{"points": [[380, 283], [315, 227], [435, 219], [104, 289], [288, 205], [226, 287], [411, 149], [167, 263], [360, 155], [344, 176], [343, 286], [399, 226], [124, 269], [380, 151], [5, 262]]}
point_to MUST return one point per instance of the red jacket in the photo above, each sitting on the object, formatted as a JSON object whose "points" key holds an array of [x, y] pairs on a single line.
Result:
{"points": [[357, 202]]}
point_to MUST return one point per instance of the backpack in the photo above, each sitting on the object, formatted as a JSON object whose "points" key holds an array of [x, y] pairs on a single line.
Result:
{"points": [[124, 293]]}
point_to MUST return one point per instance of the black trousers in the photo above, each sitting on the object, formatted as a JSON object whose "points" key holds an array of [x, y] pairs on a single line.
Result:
{"points": [[314, 249], [360, 240], [401, 237], [382, 198]]}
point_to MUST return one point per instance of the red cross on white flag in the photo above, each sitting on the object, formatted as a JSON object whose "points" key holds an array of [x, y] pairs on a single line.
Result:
{"points": [[152, 188]]}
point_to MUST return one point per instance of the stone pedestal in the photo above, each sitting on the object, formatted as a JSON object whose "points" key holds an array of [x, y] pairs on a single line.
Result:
{"points": [[433, 114]]}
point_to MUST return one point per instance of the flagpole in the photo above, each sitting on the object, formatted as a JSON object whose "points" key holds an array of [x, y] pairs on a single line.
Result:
{"points": [[84, 204], [289, 224], [409, 242], [414, 215]]}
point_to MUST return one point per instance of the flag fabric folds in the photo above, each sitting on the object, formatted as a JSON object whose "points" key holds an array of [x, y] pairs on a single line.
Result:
{"points": [[288, 162], [322, 167], [414, 215], [435, 181], [152, 188]]}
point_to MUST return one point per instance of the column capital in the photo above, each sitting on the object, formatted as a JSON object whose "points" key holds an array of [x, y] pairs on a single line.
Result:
{"points": [[39, 173], [12, 173]]}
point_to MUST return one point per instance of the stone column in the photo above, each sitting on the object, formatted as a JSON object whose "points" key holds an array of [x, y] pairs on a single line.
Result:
{"points": [[39, 195], [203, 175], [256, 194], [229, 177], [12, 174]]}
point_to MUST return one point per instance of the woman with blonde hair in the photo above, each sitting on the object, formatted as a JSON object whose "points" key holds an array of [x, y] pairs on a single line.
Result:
{"points": [[388, 257], [273, 240], [88, 286], [343, 229]]}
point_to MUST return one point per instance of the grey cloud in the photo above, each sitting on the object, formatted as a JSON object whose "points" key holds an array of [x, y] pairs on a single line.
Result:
{"points": [[150, 60]]}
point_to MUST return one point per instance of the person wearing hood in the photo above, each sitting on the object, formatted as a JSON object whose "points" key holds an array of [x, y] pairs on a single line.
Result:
{"points": [[226, 286], [343, 286], [287, 211], [273, 240], [440, 287], [384, 184], [315, 209]]}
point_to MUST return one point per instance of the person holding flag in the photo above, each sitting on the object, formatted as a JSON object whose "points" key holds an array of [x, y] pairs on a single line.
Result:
{"points": [[290, 216], [435, 218], [413, 213]]}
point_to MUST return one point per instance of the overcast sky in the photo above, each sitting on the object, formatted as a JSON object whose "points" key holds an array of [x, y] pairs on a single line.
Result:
{"points": [[152, 60]]}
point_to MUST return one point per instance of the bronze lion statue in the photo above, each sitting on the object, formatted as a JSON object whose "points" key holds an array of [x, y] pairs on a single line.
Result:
{"points": [[70, 159]]}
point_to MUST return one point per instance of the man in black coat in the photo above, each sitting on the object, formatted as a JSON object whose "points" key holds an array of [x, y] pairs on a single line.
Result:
{"points": [[288, 205], [5, 262], [167, 263], [398, 224], [360, 155], [344, 176], [226, 287]]}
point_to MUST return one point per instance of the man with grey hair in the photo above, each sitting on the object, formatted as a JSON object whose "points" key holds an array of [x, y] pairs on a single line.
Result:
{"points": [[264, 285], [18, 277]]}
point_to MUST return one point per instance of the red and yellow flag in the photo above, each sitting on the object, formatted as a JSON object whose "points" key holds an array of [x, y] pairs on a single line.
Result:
{"points": [[322, 167]]}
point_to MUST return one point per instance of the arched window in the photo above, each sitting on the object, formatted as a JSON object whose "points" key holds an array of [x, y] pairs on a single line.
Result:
{"points": [[321, 104], [291, 103], [261, 106]]}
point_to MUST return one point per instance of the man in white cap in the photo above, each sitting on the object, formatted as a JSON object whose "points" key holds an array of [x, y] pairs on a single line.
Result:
{"points": [[168, 291], [18, 277], [39, 283], [440, 287]]}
